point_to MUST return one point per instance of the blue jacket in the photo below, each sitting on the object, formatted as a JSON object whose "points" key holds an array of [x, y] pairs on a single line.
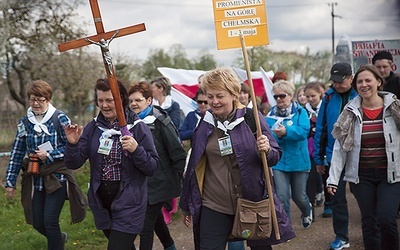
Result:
{"points": [[294, 144], [189, 124], [251, 171], [129, 206], [331, 107]]}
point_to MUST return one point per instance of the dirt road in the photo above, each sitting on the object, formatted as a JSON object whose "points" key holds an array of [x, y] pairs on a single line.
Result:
{"points": [[318, 236]]}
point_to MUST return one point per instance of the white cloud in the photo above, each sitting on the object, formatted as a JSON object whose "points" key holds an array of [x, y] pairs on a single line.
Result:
{"points": [[293, 25]]}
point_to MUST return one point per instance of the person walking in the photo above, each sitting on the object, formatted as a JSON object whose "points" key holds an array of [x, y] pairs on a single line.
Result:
{"points": [[165, 184], [314, 93], [290, 127], [383, 61], [44, 182], [332, 105], [119, 166], [225, 164], [367, 150]]}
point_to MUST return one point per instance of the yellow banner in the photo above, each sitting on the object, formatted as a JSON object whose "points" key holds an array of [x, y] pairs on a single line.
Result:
{"points": [[234, 16]]}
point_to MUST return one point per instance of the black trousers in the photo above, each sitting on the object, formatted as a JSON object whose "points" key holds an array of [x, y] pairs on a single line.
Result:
{"points": [[215, 228], [116, 240]]}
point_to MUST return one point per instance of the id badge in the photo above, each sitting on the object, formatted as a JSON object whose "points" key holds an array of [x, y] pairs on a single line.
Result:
{"points": [[21, 130], [225, 145], [105, 146]]}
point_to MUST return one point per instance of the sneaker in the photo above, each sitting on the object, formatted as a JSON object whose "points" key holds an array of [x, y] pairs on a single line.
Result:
{"points": [[307, 220], [327, 211], [64, 239], [339, 244], [319, 199]]}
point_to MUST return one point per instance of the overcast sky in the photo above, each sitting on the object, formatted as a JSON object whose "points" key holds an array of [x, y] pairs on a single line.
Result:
{"points": [[293, 25]]}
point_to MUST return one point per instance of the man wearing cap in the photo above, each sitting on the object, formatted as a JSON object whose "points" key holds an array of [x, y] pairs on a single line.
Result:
{"points": [[383, 60], [338, 95]]}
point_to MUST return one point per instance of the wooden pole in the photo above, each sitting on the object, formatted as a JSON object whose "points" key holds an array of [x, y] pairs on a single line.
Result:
{"points": [[103, 39], [259, 133]]}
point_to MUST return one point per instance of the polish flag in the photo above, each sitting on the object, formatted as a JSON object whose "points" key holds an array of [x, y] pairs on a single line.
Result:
{"points": [[184, 80], [261, 82], [185, 84]]}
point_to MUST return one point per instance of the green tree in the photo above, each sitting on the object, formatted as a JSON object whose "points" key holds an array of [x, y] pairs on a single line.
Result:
{"points": [[76, 73], [204, 61], [30, 31]]}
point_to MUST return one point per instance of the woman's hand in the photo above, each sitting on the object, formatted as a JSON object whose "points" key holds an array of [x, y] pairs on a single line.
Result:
{"points": [[263, 143], [331, 190], [129, 143], [186, 219], [280, 131], [73, 133], [41, 154], [10, 192]]}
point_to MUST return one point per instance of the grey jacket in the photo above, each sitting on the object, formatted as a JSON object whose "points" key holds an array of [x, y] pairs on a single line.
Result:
{"points": [[350, 159]]}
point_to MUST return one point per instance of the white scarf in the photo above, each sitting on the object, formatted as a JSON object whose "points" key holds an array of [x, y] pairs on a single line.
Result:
{"points": [[40, 127], [311, 110], [166, 103], [225, 126], [107, 133]]}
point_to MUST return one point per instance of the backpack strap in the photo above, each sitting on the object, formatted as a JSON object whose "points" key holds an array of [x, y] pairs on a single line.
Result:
{"points": [[250, 120]]}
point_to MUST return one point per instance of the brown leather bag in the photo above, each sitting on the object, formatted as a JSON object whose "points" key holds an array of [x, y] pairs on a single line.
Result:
{"points": [[252, 220]]}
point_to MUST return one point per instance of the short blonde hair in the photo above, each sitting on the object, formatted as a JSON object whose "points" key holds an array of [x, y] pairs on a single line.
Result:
{"points": [[286, 86], [222, 79]]}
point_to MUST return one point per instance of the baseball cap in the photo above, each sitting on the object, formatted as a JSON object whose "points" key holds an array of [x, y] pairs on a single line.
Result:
{"points": [[339, 72]]}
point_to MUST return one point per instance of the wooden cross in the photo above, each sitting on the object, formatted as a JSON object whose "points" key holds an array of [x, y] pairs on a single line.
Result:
{"points": [[103, 39]]}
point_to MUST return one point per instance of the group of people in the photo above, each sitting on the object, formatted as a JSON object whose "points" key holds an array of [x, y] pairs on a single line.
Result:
{"points": [[322, 139]]}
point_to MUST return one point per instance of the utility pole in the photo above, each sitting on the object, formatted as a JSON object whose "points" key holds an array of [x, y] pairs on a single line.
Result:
{"points": [[333, 4]]}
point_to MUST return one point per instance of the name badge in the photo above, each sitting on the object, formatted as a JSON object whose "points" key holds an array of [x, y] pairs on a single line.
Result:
{"points": [[105, 146], [225, 145]]}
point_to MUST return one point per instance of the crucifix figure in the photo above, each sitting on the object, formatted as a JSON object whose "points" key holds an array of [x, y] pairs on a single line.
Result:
{"points": [[104, 45], [103, 39]]}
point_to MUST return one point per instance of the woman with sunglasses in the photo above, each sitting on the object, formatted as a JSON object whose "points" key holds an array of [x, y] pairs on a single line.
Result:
{"points": [[193, 117], [290, 127], [165, 185]]}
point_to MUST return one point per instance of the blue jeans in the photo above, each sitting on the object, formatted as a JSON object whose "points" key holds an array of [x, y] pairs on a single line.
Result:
{"points": [[46, 210], [378, 201], [294, 183]]}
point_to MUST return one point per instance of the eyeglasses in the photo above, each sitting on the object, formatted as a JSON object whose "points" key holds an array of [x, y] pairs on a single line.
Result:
{"points": [[280, 96], [138, 99], [202, 102], [33, 100]]}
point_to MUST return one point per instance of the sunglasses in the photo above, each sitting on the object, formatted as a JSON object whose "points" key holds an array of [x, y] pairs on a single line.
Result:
{"points": [[280, 96], [202, 102]]}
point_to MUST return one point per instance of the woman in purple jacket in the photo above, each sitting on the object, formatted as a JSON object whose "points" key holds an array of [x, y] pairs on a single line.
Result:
{"points": [[225, 164], [118, 188]]}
